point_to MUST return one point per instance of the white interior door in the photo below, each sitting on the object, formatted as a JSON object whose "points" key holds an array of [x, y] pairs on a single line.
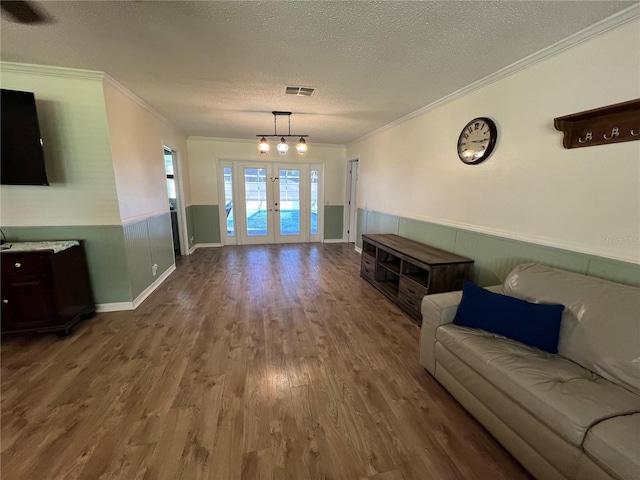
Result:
{"points": [[353, 203], [289, 193], [351, 211], [255, 221]]}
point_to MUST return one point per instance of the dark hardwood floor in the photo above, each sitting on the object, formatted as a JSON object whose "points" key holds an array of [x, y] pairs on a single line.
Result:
{"points": [[262, 362]]}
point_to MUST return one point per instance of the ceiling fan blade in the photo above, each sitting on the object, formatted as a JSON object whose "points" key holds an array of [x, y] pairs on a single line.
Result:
{"points": [[24, 12]]}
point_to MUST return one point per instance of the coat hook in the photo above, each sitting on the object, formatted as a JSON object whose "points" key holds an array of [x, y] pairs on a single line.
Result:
{"points": [[615, 132], [588, 137]]}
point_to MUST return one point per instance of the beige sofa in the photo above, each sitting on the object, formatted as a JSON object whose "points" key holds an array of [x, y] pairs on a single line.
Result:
{"points": [[572, 415]]}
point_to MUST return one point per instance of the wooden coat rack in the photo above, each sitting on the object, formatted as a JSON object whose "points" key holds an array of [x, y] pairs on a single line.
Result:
{"points": [[613, 124]]}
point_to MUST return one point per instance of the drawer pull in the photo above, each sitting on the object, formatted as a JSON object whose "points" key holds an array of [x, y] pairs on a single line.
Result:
{"points": [[5, 301], [18, 264], [411, 291]]}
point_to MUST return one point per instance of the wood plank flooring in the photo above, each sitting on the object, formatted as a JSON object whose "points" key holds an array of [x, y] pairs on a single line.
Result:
{"points": [[262, 362]]}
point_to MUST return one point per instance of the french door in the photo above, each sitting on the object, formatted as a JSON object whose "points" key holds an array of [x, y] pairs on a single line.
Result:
{"points": [[270, 202]]}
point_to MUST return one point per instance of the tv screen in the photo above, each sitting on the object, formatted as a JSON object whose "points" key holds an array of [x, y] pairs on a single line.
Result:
{"points": [[22, 154]]}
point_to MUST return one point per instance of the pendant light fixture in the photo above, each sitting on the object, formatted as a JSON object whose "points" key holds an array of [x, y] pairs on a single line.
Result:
{"points": [[301, 147], [264, 146], [283, 148]]}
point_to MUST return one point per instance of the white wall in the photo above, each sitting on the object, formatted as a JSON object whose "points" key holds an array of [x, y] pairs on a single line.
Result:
{"points": [[585, 199], [203, 153], [73, 125], [137, 138]]}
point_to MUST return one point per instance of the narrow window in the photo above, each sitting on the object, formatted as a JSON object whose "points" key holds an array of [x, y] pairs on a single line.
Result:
{"points": [[314, 202], [228, 200]]}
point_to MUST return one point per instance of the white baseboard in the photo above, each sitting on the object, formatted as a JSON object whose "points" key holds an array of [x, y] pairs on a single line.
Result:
{"points": [[114, 307], [149, 290], [204, 245], [120, 306], [333, 240], [358, 249]]}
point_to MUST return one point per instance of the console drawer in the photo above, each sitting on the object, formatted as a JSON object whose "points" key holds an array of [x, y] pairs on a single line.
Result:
{"points": [[368, 267], [367, 272], [412, 290], [16, 264], [369, 261], [410, 302]]}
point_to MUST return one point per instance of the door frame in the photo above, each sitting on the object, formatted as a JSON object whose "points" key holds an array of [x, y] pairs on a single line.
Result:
{"points": [[318, 237], [180, 206], [225, 238], [305, 168], [351, 201]]}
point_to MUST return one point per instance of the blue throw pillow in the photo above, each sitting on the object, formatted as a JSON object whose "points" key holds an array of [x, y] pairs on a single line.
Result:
{"points": [[535, 324]]}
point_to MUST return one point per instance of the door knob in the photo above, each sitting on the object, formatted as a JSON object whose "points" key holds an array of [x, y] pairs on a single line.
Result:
{"points": [[18, 264], [5, 301]]}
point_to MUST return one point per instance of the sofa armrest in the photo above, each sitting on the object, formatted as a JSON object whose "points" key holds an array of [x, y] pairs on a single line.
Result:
{"points": [[438, 309]]}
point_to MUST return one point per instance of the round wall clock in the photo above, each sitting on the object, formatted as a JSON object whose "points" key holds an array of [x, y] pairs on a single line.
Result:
{"points": [[476, 141]]}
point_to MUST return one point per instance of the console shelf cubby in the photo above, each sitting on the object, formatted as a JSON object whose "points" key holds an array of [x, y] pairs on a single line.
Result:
{"points": [[405, 271]]}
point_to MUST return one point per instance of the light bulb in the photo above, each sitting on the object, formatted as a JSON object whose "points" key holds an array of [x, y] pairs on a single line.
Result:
{"points": [[283, 148], [301, 146], [264, 146]]}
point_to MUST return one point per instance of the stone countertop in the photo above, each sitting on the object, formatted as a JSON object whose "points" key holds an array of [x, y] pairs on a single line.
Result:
{"points": [[56, 246]]}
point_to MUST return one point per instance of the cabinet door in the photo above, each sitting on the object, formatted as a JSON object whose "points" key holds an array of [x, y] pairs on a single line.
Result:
{"points": [[26, 303]]}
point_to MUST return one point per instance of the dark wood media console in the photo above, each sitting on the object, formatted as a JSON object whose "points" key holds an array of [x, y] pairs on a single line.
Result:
{"points": [[405, 271]]}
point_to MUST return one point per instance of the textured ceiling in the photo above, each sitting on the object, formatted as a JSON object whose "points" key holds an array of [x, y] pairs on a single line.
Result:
{"points": [[218, 69]]}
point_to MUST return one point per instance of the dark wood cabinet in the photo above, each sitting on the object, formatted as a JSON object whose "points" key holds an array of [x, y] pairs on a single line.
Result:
{"points": [[44, 290], [405, 271]]}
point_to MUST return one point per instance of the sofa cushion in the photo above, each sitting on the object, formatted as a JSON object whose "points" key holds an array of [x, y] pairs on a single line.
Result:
{"points": [[600, 327], [615, 445], [529, 323], [560, 393]]}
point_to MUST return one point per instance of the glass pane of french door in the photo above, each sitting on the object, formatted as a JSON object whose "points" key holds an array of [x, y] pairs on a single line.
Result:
{"points": [[289, 204], [315, 174], [228, 200], [255, 190]]}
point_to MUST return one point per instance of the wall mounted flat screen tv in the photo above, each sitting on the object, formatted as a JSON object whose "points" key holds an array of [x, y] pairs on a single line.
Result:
{"points": [[22, 158]]}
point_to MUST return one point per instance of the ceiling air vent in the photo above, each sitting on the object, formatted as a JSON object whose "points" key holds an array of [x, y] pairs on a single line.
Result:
{"points": [[299, 91]]}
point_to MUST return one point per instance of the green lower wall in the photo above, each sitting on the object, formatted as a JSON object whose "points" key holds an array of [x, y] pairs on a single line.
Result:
{"points": [[105, 249], [333, 222], [190, 226], [203, 224], [495, 256], [119, 257], [148, 242]]}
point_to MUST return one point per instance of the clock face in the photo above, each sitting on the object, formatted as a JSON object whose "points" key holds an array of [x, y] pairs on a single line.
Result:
{"points": [[477, 140]]}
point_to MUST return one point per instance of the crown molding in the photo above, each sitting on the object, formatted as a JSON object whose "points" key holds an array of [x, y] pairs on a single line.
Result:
{"points": [[64, 72], [51, 71], [134, 98], [218, 139], [603, 26]]}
